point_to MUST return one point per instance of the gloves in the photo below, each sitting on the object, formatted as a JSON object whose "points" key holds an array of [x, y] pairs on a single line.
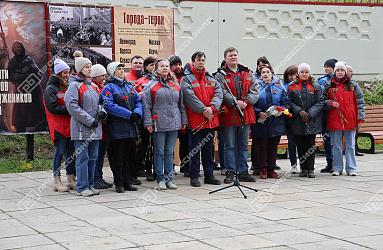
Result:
{"points": [[94, 124], [304, 116], [135, 117]]}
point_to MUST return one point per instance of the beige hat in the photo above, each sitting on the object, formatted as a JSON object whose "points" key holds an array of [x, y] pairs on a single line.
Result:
{"points": [[80, 62], [97, 70]]}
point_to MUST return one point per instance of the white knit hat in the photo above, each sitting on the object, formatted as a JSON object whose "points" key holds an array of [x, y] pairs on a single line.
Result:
{"points": [[111, 68], [340, 65], [60, 66], [304, 66], [97, 70], [80, 62]]}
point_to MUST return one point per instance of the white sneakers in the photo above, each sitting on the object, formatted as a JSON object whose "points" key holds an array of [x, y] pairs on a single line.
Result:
{"points": [[165, 186], [337, 173], [161, 186], [171, 185], [88, 192]]}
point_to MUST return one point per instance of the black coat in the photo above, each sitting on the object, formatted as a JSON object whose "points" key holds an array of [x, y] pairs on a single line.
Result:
{"points": [[305, 96]]}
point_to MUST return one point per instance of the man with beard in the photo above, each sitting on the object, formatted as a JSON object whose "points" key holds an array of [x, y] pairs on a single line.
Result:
{"points": [[24, 74]]}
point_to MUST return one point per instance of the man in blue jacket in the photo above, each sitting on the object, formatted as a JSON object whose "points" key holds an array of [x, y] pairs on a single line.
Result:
{"points": [[124, 108]]}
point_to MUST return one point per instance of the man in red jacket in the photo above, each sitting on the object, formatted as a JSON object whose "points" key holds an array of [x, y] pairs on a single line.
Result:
{"points": [[245, 90], [203, 98], [137, 70]]}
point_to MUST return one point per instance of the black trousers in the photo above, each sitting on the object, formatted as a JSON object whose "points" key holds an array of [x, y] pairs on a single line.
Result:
{"points": [[306, 151], [142, 151], [266, 152], [121, 156]]}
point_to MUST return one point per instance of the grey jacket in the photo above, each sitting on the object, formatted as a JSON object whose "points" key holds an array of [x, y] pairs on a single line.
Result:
{"points": [[163, 98], [82, 101]]}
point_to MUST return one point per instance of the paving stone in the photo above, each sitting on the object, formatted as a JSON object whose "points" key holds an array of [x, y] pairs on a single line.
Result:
{"points": [[293, 237], [156, 238], [190, 245], [263, 227], [47, 247], [240, 242], [25, 241], [110, 242], [90, 233], [13, 227], [374, 242], [213, 232], [346, 232], [328, 245], [194, 223]]}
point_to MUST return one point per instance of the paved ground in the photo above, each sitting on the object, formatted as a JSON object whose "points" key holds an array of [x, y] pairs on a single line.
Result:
{"points": [[292, 213]]}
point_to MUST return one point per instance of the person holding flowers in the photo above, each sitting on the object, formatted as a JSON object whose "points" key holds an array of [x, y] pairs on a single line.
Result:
{"points": [[271, 108], [164, 115], [124, 108], [203, 98], [346, 113], [306, 104]]}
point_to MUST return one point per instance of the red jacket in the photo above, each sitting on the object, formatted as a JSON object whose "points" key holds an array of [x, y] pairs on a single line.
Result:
{"points": [[346, 116], [244, 79], [140, 83], [200, 90], [57, 115], [133, 75]]}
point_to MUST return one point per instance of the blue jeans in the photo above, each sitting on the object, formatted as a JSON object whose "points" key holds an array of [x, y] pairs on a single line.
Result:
{"points": [[98, 174], [201, 142], [235, 155], [292, 147], [326, 138], [86, 157], [163, 143], [336, 140], [63, 147]]}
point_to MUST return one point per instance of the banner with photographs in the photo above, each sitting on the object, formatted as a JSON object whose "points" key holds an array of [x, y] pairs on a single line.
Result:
{"points": [[144, 32], [88, 29], [23, 67]]}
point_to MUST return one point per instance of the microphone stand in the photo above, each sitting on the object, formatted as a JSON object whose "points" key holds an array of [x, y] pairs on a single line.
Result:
{"points": [[236, 182]]}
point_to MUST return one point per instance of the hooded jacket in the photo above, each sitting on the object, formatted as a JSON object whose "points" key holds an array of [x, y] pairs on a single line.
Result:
{"points": [[121, 101], [163, 105], [351, 104], [201, 90], [58, 117], [82, 101], [270, 94], [244, 87]]}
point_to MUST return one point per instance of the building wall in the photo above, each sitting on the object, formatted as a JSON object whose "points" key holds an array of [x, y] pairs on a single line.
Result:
{"points": [[286, 34]]}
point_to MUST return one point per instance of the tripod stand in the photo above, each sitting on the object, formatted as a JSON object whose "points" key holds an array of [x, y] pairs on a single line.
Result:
{"points": [[236, 182]]}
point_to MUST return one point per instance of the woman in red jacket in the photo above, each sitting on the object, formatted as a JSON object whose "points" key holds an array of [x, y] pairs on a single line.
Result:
{"points": [[345, 104], [59, 124]]}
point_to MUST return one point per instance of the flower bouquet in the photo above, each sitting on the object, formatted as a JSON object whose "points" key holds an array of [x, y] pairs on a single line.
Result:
{"points": [[275, 111]]}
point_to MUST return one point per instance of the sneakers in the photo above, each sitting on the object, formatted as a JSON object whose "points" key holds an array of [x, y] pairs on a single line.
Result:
{"points": [[294, 169], [85, 193], [245, 177], [211, 180], [311, 174], [229, 178], [276, 167], [273, 175], [171, 185], [351, 173], [223, 171], [120, 189], [327, 169], [194, 182], [100, 184], [94, 191], [303, 173], [263, 173], [336, 173], [161, 186]]}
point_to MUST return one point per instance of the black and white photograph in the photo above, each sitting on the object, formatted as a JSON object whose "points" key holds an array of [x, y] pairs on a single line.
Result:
{"points": [[75, 25]]}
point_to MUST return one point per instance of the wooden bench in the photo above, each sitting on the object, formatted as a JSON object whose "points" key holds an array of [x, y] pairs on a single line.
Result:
{"points": [[372, 128], [283, 144]]}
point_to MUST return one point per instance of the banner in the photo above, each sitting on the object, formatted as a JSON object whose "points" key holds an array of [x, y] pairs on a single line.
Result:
{"points": [[83, 28], [23, 67], [144, 32]]}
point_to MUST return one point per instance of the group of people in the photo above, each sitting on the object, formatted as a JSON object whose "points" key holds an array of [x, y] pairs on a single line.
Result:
{"points": [[62, 34], [136, 117]]}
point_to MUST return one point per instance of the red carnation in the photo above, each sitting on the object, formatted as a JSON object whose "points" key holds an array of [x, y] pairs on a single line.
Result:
{"points": [[125, 98], [290, 115], [107, 93], [154, 117], [280, 109]]}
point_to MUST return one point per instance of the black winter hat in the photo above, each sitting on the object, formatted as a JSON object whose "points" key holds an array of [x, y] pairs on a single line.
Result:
{"points": [[174, 60], [330, 63]]}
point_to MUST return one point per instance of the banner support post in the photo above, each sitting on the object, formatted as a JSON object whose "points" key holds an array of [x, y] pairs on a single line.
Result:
{"points": [[30, 147]]}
